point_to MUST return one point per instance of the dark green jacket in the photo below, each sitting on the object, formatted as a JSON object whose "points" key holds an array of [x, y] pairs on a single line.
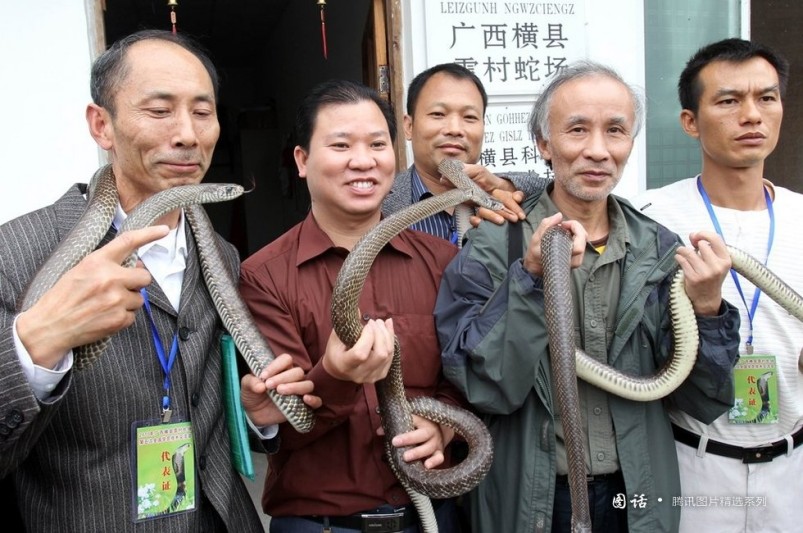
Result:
{"points": [[492, 327]]}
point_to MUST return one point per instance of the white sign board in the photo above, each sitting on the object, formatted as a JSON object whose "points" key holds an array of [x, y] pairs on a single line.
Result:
{"points": [[515, 48]]}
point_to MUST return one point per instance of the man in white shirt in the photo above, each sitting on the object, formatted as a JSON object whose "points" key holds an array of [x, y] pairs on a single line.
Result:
{"points": [[742, 472]]}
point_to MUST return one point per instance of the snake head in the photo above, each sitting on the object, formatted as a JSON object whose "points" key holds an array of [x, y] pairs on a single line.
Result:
{"points": [[452, 169]]}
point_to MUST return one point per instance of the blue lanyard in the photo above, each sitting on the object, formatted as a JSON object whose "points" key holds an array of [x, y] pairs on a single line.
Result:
{"points": [[751, 311], [453, 235], [165, 361]]}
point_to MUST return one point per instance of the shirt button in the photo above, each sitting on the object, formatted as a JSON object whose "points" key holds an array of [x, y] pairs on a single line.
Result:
{"points": [[184, 333], [194, 399], [378, 410], [591, 277], [597, 410], [366, 317], [593, 323], [600, 456]]}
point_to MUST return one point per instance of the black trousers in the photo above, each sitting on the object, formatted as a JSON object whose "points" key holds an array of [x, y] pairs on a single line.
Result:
{"points": [[605, 517], [12, 520]]}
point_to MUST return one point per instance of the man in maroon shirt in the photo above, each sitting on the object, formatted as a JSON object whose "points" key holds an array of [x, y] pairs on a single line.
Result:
{"points": [[336, 477]]}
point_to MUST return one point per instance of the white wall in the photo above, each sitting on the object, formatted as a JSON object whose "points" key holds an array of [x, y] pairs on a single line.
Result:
{"points": [[44, 142], [614, 36], [45, 56]]}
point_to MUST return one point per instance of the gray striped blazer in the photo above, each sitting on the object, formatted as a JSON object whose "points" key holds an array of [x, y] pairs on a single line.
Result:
{"points": [[70, 456]]}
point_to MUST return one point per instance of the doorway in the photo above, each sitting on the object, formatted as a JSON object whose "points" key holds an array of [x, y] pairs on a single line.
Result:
{"points": [[775, 25], [269, 54]]}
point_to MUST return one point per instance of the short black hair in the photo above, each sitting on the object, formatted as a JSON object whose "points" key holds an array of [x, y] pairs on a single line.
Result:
{"points": [[110, 68], [732, 50], [335, 92], [452, 69]]}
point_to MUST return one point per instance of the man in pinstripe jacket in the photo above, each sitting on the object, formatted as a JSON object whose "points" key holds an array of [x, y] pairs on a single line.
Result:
{"points": [[446, 119], [66, 436]]}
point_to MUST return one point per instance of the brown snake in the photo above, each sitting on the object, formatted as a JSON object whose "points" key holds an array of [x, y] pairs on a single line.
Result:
{"points": [[95, 222], [560, 326], [556, 246], [396, 410]]}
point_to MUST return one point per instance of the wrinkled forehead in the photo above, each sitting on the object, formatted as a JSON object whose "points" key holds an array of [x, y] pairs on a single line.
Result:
{"points": [[159, 58], [593, 97], [752, 75]]}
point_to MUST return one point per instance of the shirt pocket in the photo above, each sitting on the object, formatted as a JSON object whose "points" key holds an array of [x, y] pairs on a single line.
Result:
{"points": [[420, 351]]}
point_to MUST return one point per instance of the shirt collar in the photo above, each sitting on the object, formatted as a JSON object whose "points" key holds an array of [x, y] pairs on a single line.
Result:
{"points": [[313, 242], [419, 191], [618, 234]]}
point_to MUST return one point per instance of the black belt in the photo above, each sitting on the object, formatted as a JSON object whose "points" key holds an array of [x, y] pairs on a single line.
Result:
{"points": [[757, 454], [375, 521], [599, 478]]}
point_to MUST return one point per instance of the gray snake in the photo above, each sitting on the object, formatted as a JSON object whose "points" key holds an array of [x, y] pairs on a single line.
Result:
{"points": [[395, 408], [556, 255], [95, 222]]}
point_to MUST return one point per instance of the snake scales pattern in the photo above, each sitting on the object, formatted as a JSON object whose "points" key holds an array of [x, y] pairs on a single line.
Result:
{"points": [[237, 318], [560, 325], [396, 409], [556, 252], [95, 222]]}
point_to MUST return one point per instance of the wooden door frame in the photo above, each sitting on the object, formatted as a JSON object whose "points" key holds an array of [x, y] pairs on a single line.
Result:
{"points": [[393, 12], [391, 50], [96, 30]]}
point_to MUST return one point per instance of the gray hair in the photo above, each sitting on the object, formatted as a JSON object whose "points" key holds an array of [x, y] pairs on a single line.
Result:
{"points": [[539, 118]]}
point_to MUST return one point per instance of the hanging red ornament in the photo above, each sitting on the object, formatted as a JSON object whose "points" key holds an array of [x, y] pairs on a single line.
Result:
{"points": [[322, 4], [173, 4]]}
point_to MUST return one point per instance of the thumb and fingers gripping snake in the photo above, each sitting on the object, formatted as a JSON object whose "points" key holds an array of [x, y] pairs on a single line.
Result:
{"points": [[421, 484]]}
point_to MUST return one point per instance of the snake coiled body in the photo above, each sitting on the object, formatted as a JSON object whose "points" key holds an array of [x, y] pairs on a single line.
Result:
{"points": [[556, 254], [94, 224], [80, 241], [396, 410], [146, 214]]}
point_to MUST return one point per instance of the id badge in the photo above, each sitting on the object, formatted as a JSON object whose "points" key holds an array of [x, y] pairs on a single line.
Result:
{"points": [[756, 383], [163, 470]]}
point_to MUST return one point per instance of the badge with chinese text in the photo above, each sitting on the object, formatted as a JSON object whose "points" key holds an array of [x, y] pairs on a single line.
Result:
{"points": [[756, 382], [164, 470]]}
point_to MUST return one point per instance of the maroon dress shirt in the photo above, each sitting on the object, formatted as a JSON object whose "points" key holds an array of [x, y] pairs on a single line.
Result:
{"points": [[339, 468]]}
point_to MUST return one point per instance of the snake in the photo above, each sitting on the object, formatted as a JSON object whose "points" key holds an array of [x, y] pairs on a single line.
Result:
{"points": [[396, 410], [82, 239], [568, 362], [236, 317], [95, 222]]}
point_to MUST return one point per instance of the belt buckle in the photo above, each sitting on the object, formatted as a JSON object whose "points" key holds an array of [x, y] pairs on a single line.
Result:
{"points": [[759, 454], [382, 523]]}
